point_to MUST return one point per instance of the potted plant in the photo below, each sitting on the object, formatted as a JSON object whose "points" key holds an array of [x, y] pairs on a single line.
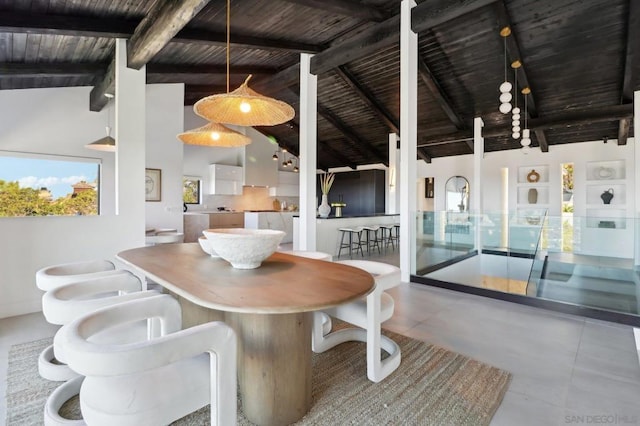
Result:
{"points": [[567, 182]]}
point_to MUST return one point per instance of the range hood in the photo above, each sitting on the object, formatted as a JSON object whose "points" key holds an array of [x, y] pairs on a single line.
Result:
{"points": [[259, 169]]}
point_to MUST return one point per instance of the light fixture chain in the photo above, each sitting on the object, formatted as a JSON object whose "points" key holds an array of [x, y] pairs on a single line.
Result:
{"points": [[228, 40]]}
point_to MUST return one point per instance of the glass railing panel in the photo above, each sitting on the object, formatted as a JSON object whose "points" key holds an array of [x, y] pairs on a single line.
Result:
{"points": [[582, 260]]}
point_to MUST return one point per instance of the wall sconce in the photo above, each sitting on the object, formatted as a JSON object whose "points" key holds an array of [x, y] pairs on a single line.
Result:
{"points": [[274, 157]]}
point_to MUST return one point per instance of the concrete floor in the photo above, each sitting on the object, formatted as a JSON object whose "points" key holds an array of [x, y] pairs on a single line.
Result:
{"points": [[566, 369]]}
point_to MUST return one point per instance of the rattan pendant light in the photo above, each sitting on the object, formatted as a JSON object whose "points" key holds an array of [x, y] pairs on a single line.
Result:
{"points": [[243, 106], [214, 134]]}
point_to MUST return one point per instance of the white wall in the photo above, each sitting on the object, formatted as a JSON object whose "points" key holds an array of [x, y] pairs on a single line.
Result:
{"points": [[580, 154], [58, 120], [164, 151]]}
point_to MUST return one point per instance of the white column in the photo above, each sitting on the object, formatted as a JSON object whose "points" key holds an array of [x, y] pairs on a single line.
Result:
{"points": [[130, 122], [476, 186], [393, 187], [308, 153], [636, 198], [408, 140]]}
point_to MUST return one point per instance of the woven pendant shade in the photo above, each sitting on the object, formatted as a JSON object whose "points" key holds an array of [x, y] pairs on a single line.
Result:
{"points": [[204, 136], [244, 107]]}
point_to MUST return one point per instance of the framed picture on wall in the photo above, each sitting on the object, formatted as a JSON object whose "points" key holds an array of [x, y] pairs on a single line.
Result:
{"points": [[428, 187], [153, 184]]}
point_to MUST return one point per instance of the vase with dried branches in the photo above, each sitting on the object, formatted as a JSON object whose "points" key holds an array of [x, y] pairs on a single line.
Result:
{"points": [[326, 180]]}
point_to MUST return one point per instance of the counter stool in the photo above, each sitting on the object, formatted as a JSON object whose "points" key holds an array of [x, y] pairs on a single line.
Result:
{"points": [[387, 235], [372, 240], [352, 242], [396, 233]]}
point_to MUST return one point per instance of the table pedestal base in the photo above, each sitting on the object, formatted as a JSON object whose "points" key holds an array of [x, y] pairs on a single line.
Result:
{"points": [[274, 365]]}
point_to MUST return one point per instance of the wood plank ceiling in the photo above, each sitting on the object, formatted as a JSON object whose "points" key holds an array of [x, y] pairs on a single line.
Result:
{"points": [[581, 60]]}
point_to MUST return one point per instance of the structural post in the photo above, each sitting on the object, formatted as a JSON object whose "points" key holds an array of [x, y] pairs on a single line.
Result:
{"points": [[130, 135], [308, 153], [636, 209], [408, 140], [393, 189], [476, 187]]}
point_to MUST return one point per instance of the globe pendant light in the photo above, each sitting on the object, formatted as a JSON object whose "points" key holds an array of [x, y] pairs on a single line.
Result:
{"points": [[243, 106], [515, 112], [505, 87], [526, 135]]}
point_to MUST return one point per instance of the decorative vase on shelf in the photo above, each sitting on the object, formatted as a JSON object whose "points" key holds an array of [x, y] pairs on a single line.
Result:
{"points": [[607, 196], [532, 196], [324, 209]]}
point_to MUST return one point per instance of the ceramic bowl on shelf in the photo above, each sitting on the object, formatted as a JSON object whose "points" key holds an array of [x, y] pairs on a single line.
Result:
{"points": [[206, 247], [244, 248]]}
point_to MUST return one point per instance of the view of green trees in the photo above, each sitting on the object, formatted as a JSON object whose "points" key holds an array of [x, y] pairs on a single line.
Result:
{"points": [[190, 191], [16, 201]]}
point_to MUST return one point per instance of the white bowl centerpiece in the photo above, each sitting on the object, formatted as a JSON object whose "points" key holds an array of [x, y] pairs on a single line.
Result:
{"points": [[244, 248], [206, 247]]}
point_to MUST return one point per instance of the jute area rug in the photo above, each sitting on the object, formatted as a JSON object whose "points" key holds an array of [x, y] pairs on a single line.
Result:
{"points": [[432, 386]]}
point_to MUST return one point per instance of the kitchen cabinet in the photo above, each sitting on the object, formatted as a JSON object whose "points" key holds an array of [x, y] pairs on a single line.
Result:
{"points": [[195, 223], [226, 220], [225, 179], [288, 185], [259, 168]]}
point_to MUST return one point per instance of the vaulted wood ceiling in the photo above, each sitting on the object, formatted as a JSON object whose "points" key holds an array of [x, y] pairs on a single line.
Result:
{"points": [[581, 59]]}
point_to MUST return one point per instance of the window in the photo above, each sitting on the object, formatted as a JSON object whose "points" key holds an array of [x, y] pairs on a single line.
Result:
{"points": [[191, 190], [47, 185]]}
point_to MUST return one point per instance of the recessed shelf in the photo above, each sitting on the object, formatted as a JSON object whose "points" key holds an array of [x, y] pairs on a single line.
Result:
{"points": [[606, 170], [533, 175], [533, 195], [606, 218], [595, 192]]}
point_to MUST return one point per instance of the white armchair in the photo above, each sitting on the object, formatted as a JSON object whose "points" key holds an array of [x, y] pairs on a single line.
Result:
{"points": [[54, 276], [65, 303], [149, 382], [367, 313]]}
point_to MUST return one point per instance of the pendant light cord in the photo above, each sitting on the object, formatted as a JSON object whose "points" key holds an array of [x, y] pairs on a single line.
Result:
{"points": [[228, 39], [505, 58]]}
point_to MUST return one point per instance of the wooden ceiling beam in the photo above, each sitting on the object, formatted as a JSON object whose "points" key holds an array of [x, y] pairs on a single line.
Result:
{"points": [[365, 43], [568, 119], [158, 27], [78, 26], [368, 98], [431, 13], [352, 138], [631, 66], [327, 148], [97, 97], [441, 97], [513, 52], [346, 8], [422, 154], [205, 70], [59, 69]]}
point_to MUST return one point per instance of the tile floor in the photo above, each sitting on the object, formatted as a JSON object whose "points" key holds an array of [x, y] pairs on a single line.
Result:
{"points": [[566, 369]]}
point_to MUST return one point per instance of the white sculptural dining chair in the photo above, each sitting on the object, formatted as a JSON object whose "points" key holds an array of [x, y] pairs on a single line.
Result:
{"points": [[318, 255], [65, 303], [54, 276], [152, 382], [367, 313]]}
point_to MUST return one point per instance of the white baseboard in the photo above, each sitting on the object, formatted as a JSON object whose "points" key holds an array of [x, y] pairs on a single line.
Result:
{"points": [[20, 308]]}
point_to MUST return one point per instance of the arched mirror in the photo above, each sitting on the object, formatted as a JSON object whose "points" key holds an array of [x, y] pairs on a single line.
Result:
{"points": [[457, 194]]}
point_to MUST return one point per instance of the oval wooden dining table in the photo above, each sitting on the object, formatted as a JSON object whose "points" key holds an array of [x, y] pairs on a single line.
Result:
{"points": [[270, 308]]}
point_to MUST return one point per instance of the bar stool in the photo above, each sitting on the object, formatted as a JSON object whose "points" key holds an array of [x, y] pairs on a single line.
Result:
{"points": [[396, 233], [372, 238], [352, 243], [387, 235]]}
